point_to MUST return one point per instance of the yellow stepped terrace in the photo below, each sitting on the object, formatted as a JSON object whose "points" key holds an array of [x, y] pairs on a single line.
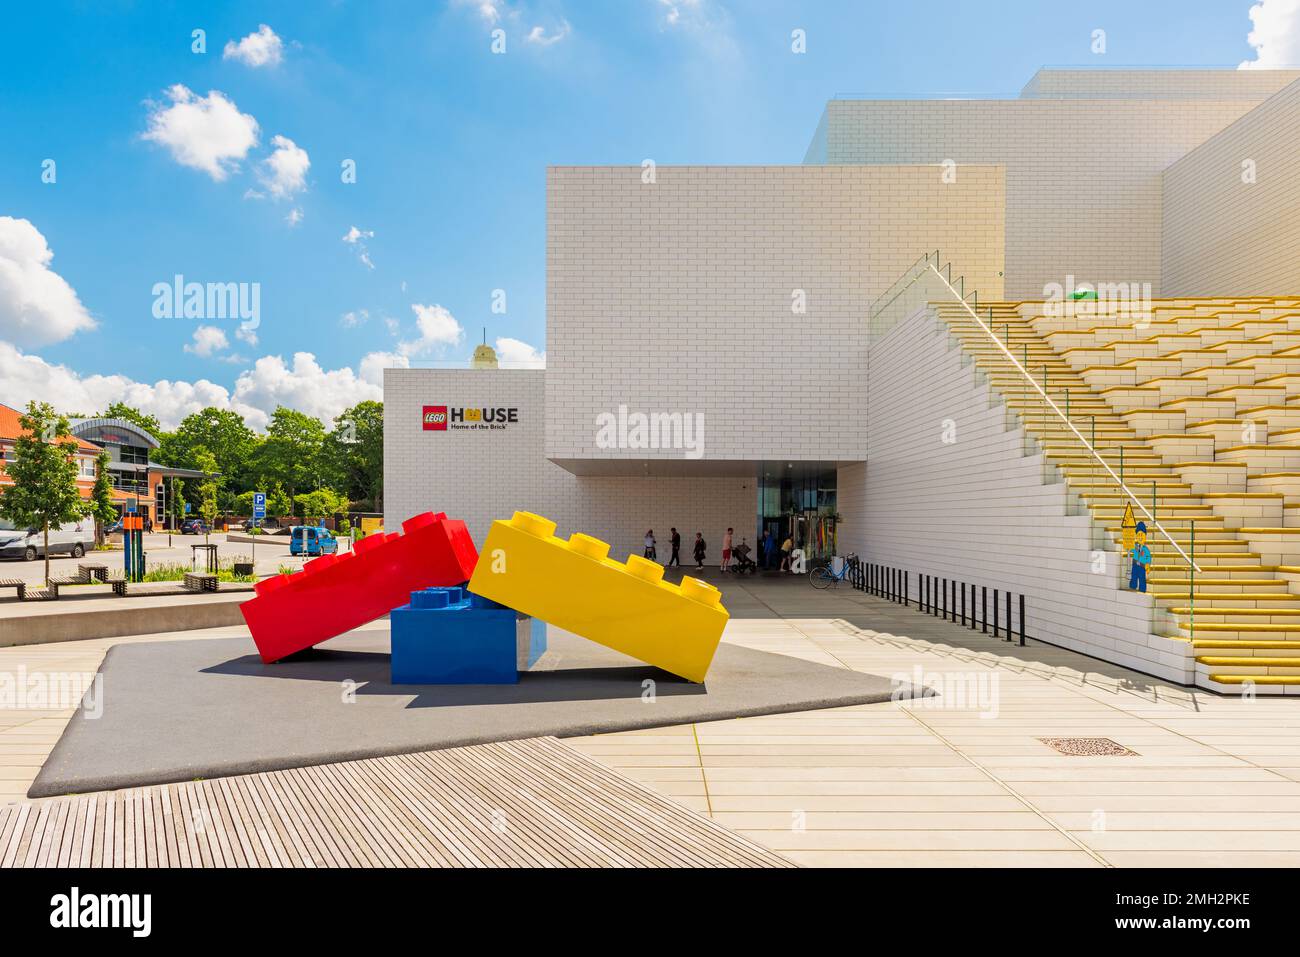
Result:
{"points": [[1197, 402]]}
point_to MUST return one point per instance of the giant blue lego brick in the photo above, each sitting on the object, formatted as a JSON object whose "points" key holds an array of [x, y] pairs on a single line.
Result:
{"points": [[532, 641], [447, 636]]}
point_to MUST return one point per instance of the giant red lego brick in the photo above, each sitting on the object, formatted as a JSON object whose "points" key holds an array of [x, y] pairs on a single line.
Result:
{"points": [[336, 593]]}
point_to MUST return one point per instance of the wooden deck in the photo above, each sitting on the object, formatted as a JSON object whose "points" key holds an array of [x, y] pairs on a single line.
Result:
{"points": [[532, 803]]}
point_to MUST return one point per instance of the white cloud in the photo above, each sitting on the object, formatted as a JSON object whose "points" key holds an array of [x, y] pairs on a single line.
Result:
{"points": [[537, 35], [437, 329], [676, 10], [294, 216], [517, 354], [1275, 36], [304, 386], [353, 318], [206, 133], [373, 365], [357, 237], [284, 173], [24, 377], [208, 340], [37, 306], [488, 10], [705, 23], [262, 48], [246, 335]]}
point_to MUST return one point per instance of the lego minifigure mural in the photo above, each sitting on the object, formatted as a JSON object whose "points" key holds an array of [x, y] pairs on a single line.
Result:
{"points": [[1141, 555]]}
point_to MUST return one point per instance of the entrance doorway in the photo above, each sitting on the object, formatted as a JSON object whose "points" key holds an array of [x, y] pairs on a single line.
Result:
{"points": [[798, 500]]}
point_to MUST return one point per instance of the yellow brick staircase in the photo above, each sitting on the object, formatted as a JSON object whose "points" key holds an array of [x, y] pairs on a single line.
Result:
{"points": [[1200, 401]]}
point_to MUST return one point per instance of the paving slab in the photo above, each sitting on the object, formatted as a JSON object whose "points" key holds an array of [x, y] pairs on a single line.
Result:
{"points": [[180, 710]]}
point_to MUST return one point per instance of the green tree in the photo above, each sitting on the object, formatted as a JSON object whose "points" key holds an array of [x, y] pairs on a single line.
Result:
{"points": [[120, 410], [209, 486], [221, 432], [101, 498], [44, 475], [322, 503], [291, 452], [176, 500], [354, 453]]}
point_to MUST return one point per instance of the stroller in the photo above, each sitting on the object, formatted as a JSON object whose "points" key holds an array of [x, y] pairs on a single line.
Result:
{"points": [[741, 562]]}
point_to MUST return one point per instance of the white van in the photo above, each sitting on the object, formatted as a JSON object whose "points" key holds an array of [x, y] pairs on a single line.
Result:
{"points": [[74, 538]]}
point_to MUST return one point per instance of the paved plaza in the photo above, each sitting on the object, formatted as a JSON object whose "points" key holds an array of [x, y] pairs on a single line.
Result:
{"points": [[961, 779]]}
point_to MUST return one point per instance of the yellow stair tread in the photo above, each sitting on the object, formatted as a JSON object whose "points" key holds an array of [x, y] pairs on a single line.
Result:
{"points": [[1261, 644], [1242, 495], [1256, 679], [1242, 662], [1231, 612], [1244, 626], [1233, 595], [1261, 445]]}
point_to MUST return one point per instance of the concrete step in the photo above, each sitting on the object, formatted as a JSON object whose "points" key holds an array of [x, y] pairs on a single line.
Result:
{"points": [[1215, 476], [1260, 684], [1262, 458], [1287, 484], [1250, 396], [1229, 432], [1220, 585], [1196, 408], [1268, 647], [1145, 422], [1222, 377], [1247, 508], [1229, 600], [1183, 447], [1276, 417]]}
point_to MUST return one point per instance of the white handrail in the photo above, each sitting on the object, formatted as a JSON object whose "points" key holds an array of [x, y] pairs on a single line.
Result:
{"points": [[1055, 408]]}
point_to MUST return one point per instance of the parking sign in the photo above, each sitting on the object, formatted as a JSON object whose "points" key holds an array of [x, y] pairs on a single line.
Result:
{"points": [[259, 506]]}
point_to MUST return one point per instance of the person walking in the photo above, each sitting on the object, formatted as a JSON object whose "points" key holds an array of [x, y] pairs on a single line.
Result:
{"points": [[675, 560], [786, 548], [726, 551], [768, 550], [699, 550], [649, 545]]}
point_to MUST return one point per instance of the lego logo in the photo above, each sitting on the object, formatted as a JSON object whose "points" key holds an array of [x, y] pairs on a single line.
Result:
{"points": [[435, 418]]}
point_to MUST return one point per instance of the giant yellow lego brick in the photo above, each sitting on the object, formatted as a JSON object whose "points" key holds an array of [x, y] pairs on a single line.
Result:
{"points": [[576, 586]]}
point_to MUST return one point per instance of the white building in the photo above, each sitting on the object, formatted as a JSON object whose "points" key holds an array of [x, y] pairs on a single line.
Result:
{"points": [[728, 306]]}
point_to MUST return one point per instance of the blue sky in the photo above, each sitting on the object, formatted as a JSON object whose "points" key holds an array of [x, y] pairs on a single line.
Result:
{"points": [[450, 143]]}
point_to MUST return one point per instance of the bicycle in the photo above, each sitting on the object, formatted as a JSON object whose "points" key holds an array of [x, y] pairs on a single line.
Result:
{"points": [[824, 577]]}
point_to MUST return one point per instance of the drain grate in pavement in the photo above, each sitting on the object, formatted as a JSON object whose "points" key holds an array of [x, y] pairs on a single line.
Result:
{"points": [[1088, 747]]}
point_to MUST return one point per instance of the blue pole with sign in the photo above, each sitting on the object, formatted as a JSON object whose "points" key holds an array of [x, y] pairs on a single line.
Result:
{"points": [[259, 514]]}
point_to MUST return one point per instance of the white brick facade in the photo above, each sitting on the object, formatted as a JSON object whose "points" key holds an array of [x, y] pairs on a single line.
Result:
{"points": [[1170, 84], [977, 510], [676, 296], [479, 476], [1232, 207], [1083, 176]]}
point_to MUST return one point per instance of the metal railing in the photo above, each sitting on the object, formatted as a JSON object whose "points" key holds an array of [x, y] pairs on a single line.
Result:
{"points": [[930, 282], [939, 597]]}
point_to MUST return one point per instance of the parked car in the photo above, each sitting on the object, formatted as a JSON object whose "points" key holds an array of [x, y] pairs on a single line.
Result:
{"points": [[312, 540], [194, 526], [74, 538]]}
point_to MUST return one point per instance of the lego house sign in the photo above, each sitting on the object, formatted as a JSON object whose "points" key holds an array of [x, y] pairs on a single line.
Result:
{"points": [[441, 418]]}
